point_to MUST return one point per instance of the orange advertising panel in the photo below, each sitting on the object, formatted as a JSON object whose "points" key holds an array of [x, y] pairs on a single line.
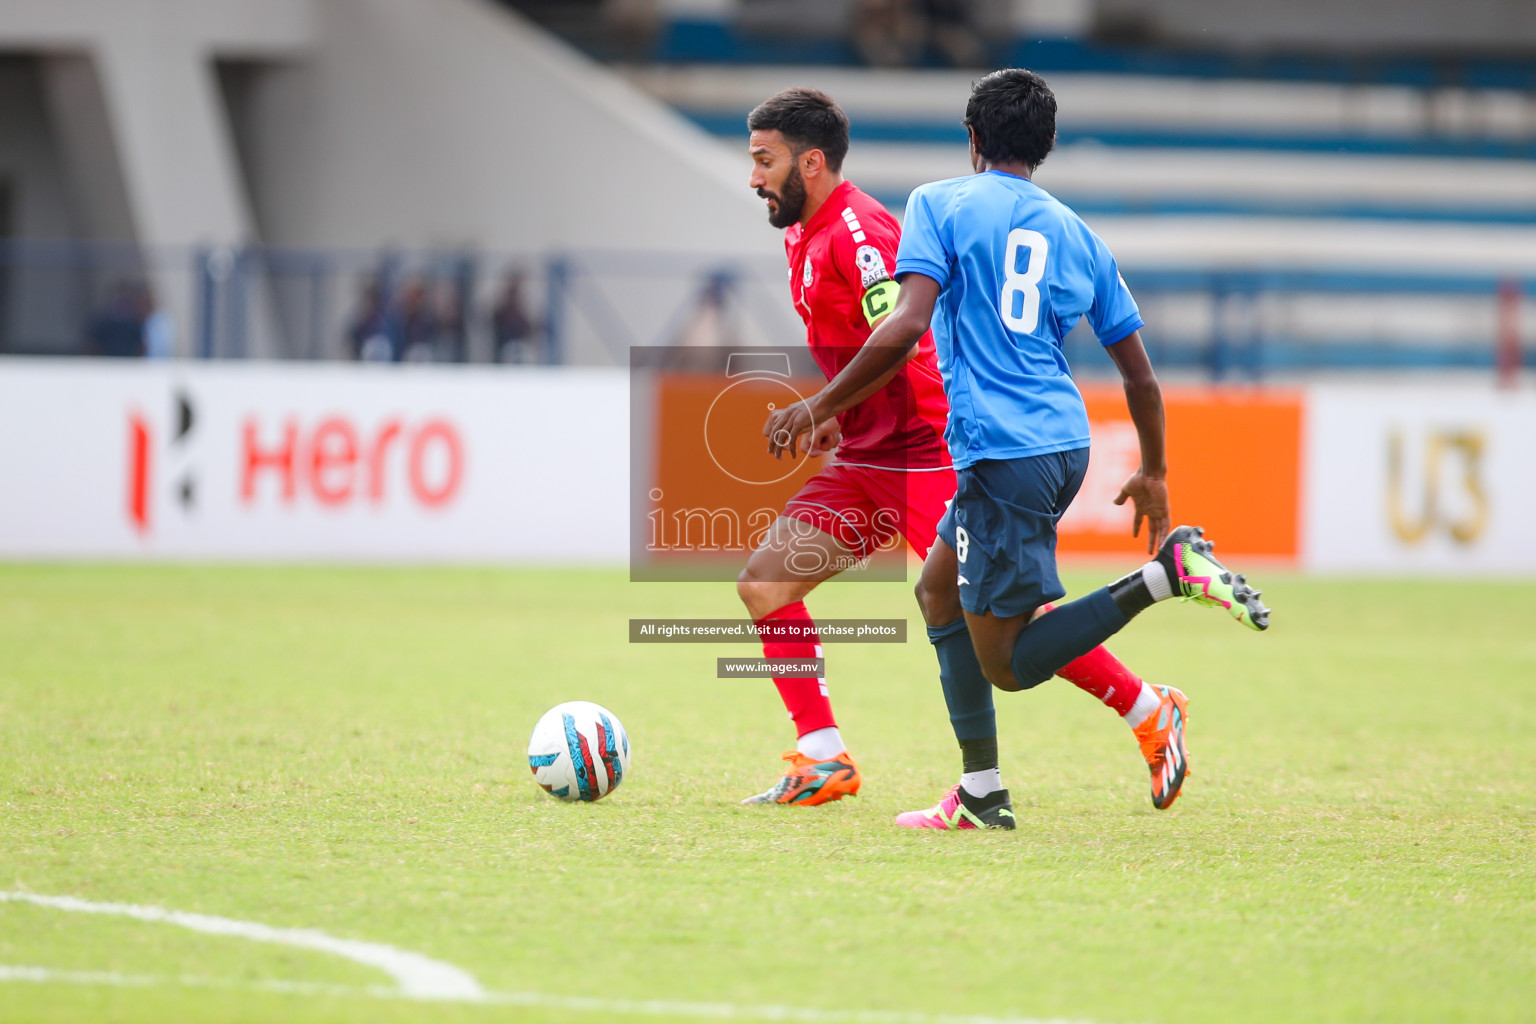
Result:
{"points": [[1234, 458], [1234, 468]]}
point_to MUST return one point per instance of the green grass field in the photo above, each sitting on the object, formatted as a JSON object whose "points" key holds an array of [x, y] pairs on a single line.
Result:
{"points": [[344, 750]]}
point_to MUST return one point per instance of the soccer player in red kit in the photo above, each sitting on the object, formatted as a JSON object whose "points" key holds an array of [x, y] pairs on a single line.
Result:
{"points": [[892, 475]]}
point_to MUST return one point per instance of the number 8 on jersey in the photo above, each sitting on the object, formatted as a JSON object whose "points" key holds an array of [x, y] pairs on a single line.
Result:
{"points": [[1021, 288]]}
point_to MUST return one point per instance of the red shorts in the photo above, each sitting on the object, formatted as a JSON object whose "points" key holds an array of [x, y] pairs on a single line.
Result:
{"points": [[866, 508]]}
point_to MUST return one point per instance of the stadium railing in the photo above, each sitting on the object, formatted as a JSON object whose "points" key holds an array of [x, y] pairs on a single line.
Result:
{"points": [[591, 306]]}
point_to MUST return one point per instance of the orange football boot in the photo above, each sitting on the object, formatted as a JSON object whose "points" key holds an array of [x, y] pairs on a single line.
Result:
{"points": [[808, 782], [1162, 743]]}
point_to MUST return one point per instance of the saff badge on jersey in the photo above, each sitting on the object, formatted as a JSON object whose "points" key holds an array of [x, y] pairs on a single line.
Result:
{"points": [[871, 265]]}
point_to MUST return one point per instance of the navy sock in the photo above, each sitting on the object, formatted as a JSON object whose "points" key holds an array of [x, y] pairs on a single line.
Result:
{"points": [[1070, 631], [966, 691], [1131, 594]]}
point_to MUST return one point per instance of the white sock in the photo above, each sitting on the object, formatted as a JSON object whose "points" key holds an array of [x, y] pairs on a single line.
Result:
{"points": [[1155, 576], [983, 782], [821, 743], [1147, 703]]}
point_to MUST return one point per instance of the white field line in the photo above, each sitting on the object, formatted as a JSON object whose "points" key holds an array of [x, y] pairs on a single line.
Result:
{"points": [[421, 978], [531, 1000], [418, 976], [111, 979], [730, 1011]]}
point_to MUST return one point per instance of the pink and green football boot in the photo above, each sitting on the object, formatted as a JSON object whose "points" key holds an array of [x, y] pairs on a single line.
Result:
{"points": [[994, 811], [1198, 577]]}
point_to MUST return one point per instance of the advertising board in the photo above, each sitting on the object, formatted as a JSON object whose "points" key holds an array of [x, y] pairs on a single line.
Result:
{"points": [[311, 462]]}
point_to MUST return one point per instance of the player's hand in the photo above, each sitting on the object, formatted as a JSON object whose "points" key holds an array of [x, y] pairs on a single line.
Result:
{"points": [[827, 436], [785, 426], [1149, 496]]}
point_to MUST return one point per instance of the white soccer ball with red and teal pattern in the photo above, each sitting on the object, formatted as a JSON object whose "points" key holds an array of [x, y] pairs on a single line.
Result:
{"points": [[579, 751]]}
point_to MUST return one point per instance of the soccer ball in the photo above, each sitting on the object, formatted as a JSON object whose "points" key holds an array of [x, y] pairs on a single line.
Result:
{"points": [[579, 751]]}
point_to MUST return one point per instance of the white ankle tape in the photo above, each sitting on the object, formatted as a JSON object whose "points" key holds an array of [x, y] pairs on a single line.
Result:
{"points": [[1156, 578]]}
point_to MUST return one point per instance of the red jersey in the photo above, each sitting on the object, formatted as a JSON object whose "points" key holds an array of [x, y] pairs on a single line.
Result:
{"points": [[848, 247]]}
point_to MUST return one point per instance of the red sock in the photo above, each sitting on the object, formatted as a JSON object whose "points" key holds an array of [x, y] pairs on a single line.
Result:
{"points": [[1100, 673], [804, 698]]}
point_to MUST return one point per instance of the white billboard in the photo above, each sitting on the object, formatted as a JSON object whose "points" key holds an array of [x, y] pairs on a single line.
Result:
{"points": [[313, 462], [339, 462], [1419, 479]]}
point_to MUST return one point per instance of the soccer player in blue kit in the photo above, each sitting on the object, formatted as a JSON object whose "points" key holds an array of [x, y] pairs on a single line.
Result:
{"points": [[1002, 271]]}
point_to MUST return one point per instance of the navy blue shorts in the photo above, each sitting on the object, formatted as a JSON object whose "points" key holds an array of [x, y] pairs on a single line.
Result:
{"points": [[1002, 525]]}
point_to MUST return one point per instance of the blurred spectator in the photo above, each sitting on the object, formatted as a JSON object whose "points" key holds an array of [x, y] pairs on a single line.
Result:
{"points": [[118, 327], [887, 33], [373, 333], [635, 25], [424, 324], [451, 343], [512, 330], [897, 33], [159, 328], [418, 323], [711, 323], [953, 34]]}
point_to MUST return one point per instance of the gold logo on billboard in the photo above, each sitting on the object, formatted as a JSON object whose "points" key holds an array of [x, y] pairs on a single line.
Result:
{"points": [[1442, 449]]}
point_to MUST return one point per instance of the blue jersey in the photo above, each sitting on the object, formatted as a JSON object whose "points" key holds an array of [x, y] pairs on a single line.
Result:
{"points": [[1018, 271]]}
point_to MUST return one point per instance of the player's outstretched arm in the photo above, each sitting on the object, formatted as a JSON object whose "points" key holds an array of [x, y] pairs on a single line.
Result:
{"points": [[1147, 488], [885, 350]]}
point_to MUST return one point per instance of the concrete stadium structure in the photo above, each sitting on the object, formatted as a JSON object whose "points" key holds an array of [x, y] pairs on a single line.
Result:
{"points": [[259, 161], [340, 124]]}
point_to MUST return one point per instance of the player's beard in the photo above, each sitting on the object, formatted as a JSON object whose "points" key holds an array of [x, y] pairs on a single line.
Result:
{"points": [[790, 199]]}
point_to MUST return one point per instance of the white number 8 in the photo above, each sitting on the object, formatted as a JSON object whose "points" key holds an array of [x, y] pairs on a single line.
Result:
{"points": [[962, 543], [1026, 284]]}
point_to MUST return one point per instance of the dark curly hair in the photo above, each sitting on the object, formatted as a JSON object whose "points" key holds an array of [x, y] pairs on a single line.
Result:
{"points": [[1013, 113], [808, 119]]}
